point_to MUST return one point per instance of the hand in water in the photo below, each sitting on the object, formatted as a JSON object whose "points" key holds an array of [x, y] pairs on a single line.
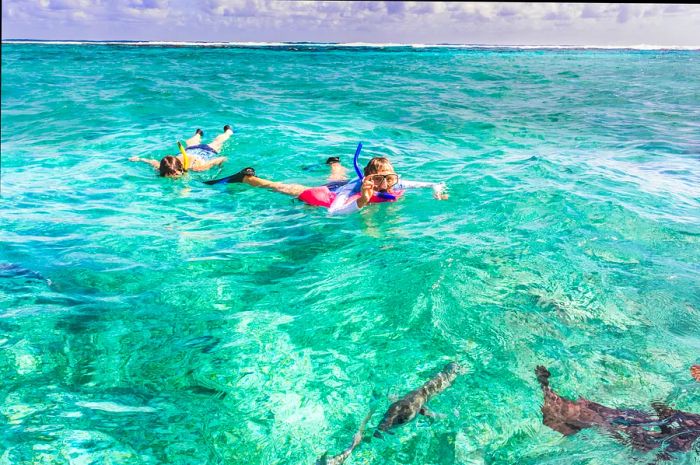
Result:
{"points": [[440, 193]]}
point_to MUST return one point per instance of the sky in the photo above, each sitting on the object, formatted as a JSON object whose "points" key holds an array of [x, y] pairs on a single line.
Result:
{"points": [[488, 23]]}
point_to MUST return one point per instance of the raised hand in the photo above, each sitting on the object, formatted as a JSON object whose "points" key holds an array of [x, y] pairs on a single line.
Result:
{"points": [[366, 192]]}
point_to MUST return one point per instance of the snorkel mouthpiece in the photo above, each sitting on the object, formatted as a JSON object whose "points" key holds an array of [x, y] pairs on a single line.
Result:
{"points": [[383, 195]]}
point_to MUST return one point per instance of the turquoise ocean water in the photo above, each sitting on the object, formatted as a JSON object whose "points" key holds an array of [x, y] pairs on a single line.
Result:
{"points": [[152, 321]]}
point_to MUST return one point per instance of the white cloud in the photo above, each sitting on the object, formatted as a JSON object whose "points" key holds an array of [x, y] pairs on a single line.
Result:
{"points": [[67, 4], [593, 11], [368, 21]]}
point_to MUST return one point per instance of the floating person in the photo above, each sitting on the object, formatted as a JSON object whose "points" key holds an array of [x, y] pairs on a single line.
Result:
{"points": [[674, 429], [695, 372], [413, 403], [378, 183], [195, 156], [338, 171]]}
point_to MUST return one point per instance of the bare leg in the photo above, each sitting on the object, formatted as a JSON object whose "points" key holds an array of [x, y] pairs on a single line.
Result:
{"points": [[289, 189], [194, 140], [217, 143]]}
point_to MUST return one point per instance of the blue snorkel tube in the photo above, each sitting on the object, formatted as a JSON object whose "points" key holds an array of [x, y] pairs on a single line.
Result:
{"points": [[383, 195], [354, 161]]}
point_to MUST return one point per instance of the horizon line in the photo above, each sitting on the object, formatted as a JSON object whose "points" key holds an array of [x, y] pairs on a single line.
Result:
{"points": [[346, 44]]}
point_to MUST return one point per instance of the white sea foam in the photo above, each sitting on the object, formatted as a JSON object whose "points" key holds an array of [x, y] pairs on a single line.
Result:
{"points": [[351, 45]]}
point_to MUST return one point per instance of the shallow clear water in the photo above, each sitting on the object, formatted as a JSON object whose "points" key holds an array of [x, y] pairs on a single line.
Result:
{"points": [[145, 320]]}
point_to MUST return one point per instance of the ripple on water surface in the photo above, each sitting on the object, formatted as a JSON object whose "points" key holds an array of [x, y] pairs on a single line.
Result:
{"points": [[145, 320]]}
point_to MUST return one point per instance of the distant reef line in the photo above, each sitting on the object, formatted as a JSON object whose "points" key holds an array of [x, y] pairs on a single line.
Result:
{"points": [[297, 45]]}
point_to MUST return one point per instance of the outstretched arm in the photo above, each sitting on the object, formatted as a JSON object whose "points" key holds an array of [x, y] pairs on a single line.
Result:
{"points": [[439, 188], [209, 164], [153, 163]]}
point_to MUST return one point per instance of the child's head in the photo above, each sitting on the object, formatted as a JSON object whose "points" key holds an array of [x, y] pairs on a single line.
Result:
{"points": [[380, 165], [170, 166], [381, 172]]}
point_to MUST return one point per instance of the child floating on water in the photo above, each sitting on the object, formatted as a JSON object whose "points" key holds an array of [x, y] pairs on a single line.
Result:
{"points": [[200, 157], [340, 196]]}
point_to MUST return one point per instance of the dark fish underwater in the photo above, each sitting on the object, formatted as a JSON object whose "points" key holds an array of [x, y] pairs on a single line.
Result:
{"points": [[13, 270], [674, 430], [413, 403]]}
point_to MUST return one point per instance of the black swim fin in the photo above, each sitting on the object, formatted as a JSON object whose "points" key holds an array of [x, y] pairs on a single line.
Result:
{"points": [[238, 177]]}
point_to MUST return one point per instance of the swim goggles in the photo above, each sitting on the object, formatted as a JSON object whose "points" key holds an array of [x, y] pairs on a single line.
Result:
{"points": [[391, 179]]}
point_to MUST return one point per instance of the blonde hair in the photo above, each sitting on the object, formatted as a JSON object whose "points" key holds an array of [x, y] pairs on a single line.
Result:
{"points": [[377, 164]]}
